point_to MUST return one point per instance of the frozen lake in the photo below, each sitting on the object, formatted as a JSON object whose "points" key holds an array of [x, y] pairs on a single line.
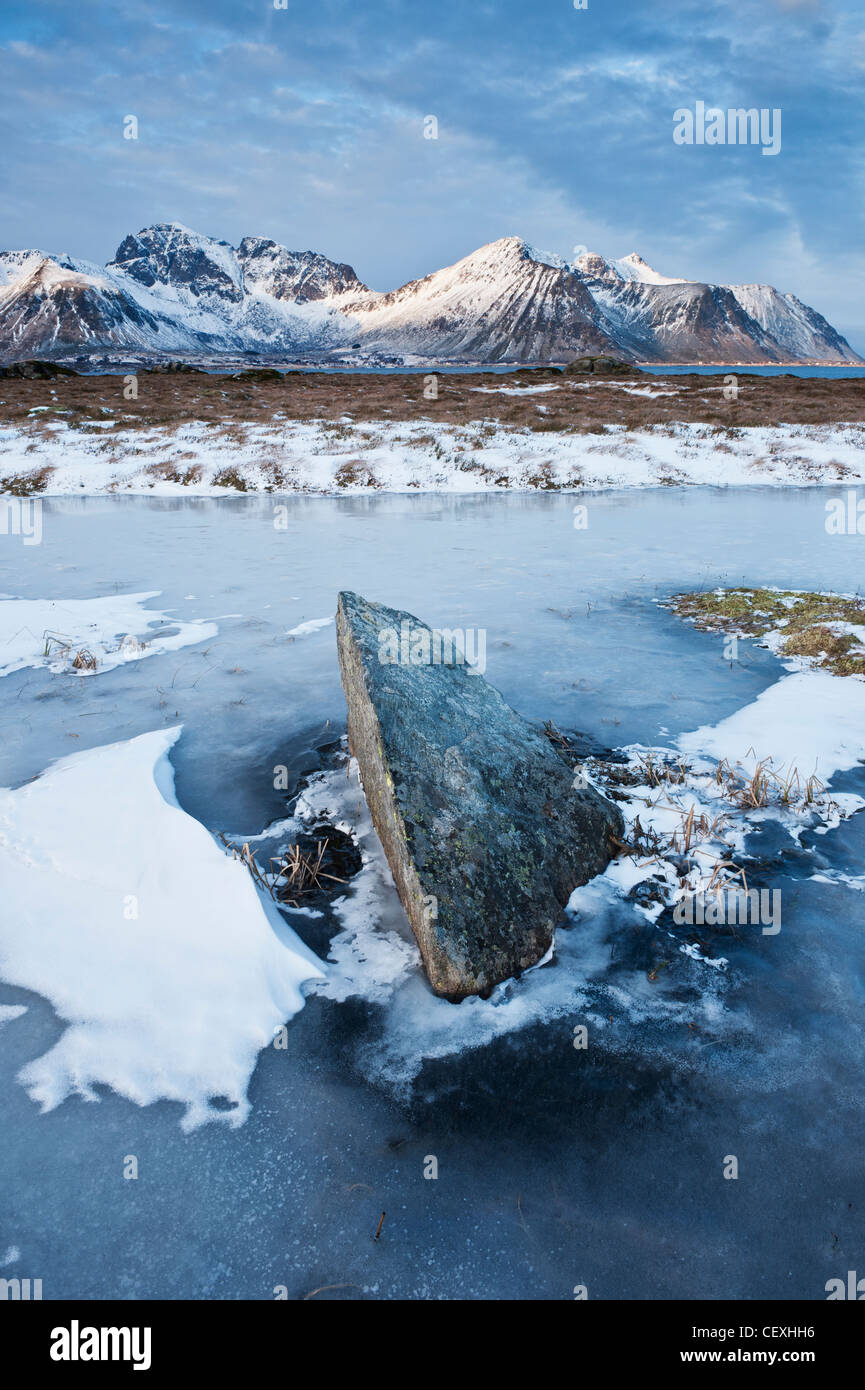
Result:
{"points": [[555, 1169]]}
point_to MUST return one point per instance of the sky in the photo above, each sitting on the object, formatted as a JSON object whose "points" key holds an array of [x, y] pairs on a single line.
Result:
{"points": [[306, 124]]}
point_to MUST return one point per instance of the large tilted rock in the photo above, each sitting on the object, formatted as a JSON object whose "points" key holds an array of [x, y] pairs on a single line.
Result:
{"points": [[484, 831]]}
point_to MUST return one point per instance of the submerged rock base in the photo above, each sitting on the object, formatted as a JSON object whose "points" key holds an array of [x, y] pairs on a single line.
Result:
{"points": [[485, 833]]}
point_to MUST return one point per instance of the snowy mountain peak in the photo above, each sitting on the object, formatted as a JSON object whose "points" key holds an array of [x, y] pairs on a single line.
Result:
{"points": [[504, 302], [50, 274], [629, 268], [171, 254], [511, 253], [596, 267], [633, 267], [533, 253], [800, 330], [299, 276], [16, 264]]}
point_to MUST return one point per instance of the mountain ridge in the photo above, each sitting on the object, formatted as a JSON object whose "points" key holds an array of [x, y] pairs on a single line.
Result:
{"points": [[169, 289]]}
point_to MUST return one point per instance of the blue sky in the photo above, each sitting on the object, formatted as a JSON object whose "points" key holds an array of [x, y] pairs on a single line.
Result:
{"points": [[306, 125]]}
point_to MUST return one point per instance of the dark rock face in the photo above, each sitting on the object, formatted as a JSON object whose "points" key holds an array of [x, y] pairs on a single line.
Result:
{"points": [[33, 370], [298, 276], [483, 829], [168, 254]]}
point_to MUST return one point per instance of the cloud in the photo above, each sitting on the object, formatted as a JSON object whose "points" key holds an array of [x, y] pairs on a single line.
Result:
{"points": [[307, 125]]}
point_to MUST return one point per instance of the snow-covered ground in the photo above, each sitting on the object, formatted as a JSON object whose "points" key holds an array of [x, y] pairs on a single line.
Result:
{"points": [[355, 457]]}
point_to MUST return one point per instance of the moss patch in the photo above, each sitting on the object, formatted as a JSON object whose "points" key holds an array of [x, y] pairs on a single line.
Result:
{"points": [[804, 620]]}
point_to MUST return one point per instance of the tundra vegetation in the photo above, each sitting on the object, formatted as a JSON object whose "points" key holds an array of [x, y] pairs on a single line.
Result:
{"points": [[581, 402], [826, 629]]}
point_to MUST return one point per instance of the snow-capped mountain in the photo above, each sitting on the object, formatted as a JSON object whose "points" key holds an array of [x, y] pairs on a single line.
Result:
{"points": [[183, 260], [667, 318], [50, 304], [171, 290], [501, 303], [801, 331], [662, 320]]}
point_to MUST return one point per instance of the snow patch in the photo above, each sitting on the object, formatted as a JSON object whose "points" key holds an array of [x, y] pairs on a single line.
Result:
{"points": [[114, 630], [633, 267], [513, 390], [811, 720], [155, 947], [311, 625]]}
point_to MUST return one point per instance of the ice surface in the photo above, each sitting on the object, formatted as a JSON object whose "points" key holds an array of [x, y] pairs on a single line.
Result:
{"points": [[556, 1166]]}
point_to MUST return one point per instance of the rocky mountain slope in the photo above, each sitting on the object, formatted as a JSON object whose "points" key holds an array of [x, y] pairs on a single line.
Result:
{"points": [[502, 303], [661, 318], [170, 290]]}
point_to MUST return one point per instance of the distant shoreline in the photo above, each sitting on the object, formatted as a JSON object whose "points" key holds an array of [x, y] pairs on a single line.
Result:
{"points": [[225, 365]]}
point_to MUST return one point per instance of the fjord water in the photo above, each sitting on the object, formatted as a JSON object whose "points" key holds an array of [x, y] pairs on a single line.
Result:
{"points": [[555, 1169]]}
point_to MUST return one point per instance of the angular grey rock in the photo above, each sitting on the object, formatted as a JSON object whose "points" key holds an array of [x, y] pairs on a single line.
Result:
{"points": [[484, 832]]}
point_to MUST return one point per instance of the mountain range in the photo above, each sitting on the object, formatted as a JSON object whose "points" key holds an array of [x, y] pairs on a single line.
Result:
{"points": [[171, 291]]}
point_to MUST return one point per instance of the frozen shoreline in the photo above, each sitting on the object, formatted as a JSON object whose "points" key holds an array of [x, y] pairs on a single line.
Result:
{"points": [[355, 457]]}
